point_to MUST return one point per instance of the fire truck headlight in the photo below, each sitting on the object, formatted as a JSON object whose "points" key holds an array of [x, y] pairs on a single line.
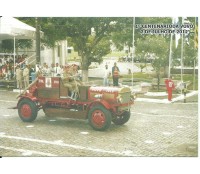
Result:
{"points": [[133, 96], [120, 99]]}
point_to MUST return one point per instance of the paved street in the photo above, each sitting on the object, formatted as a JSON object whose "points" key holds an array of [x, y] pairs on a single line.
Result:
{"points": [[154, 130]]}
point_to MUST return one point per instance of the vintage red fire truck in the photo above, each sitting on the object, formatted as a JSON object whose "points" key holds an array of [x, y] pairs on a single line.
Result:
{"points": [[100, 105]]}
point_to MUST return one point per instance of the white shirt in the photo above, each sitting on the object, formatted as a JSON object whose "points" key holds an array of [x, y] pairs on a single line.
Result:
{"points": [[57, 70], [106, 73]]}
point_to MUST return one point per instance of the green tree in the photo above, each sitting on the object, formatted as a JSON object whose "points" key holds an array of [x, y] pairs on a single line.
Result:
{"points": [[158, 46], [8, 45], [189, 52], [90, 46], [124, 36]]}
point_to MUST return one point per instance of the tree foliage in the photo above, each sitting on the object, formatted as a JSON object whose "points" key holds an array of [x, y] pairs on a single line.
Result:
{"points": [[156, 45], [124, 36], [8, 45], [90, 37], [77, 30]]}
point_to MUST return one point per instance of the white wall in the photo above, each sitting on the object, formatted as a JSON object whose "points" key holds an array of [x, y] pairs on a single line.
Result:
{"points": [[46, 56], [50, 55]]}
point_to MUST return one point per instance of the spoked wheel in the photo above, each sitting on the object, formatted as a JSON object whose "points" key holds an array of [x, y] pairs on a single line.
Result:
{"points": [[99, 118], [122, 119], [27, 110]]}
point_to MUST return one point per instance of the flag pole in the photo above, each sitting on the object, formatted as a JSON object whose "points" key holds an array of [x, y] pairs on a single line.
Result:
{"points": [[14, 54], [182, 56], [182, 44], [170, 56], [133, 50]]}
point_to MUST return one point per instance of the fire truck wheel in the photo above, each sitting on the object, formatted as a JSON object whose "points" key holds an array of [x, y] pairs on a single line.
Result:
{"points": [[99, 118], [27, 110], [122, 119]]}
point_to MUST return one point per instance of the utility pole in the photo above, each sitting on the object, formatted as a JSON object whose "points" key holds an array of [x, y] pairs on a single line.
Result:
{"points": [[37, 40], [133, 51]]}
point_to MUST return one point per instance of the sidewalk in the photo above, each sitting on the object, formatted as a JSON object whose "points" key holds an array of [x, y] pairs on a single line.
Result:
{"points": [[153, 100]]}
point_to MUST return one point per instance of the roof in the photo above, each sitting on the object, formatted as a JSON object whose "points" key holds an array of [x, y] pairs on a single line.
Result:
{"points": [[11, 27]]}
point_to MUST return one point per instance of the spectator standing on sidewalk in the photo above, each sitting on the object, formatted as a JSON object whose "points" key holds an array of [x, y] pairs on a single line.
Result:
{"points": [[106, 76], [31, 73], [115, 74], [19, 77], [52, 70], [57, 70], [26, 76]]}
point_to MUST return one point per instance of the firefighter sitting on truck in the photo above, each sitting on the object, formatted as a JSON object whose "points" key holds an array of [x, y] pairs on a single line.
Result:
{"points": [[69, 80]]}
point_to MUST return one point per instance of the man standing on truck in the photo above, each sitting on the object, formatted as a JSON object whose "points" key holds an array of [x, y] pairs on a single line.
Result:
{"points": [[115, 74], [70, 82]]}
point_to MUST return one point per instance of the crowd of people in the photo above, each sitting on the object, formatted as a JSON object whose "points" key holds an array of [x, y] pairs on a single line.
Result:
{"points": [[25, 74], [56, 70], [7, 65]]}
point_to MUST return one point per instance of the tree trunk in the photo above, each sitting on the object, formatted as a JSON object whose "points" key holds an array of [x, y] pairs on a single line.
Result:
{"points": [[158, 77], [85, 75], [84, 68]]}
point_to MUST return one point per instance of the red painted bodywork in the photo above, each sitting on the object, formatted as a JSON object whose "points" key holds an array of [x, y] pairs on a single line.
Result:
{"points": [[47, 93]]}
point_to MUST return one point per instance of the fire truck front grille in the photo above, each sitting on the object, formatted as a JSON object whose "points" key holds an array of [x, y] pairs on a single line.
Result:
{"points": [[126, 97]]}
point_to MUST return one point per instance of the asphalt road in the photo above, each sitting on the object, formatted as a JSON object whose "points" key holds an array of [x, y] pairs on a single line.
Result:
{"points": [[160, 130]]}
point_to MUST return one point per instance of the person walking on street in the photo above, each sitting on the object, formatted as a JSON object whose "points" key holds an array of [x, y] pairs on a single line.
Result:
{"points": [[170, 87], [115, 74]]}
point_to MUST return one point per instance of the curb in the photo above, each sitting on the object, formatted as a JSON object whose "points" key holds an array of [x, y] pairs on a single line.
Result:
{"points": [[165, 101]]}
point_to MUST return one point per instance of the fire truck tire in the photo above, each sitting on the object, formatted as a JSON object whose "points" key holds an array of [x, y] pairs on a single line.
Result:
{"points": [[27, 110], [99, 118], [122, 119]]}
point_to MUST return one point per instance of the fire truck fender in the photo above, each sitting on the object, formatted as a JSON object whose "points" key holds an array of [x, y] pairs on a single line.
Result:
{"points": [[100, 102], [33, 99]]}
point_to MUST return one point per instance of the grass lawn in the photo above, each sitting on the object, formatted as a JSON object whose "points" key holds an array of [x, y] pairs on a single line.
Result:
{"points": [[139, 76], [188, 77], [144, 77]]}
